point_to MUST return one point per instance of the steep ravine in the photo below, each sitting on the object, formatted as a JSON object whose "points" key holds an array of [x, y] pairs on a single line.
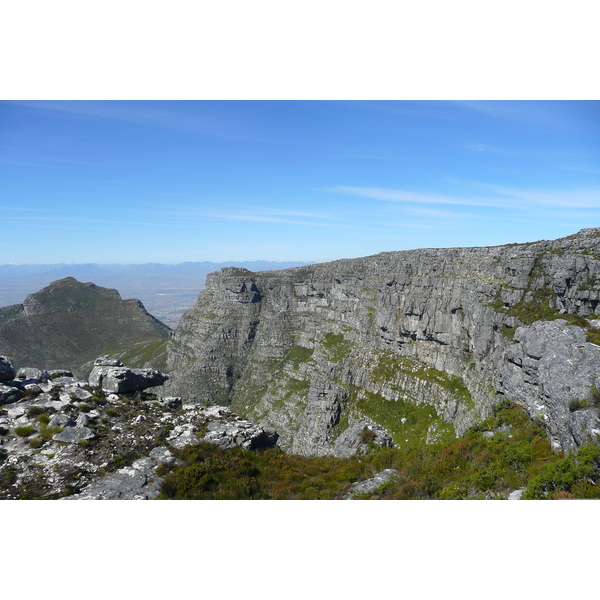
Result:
{"points": [[422, 342]]}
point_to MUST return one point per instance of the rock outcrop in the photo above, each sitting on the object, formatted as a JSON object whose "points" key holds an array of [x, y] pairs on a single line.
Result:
{"points": [[70, 323], [423, 343], [111, 376], [7, 369], [372, 485], [553, 371]]}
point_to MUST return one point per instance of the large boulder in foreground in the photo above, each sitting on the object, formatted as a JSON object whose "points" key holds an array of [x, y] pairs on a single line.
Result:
{"points": [[9, 394], [112, 376], [7, 369]]}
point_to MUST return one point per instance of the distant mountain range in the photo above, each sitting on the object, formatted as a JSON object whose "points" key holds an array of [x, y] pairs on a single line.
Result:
{"points": [[166, 290]]}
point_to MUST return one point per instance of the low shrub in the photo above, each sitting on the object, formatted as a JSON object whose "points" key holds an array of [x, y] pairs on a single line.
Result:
{"points": [[36, 411], [578, 473], [46, 433], [576, 404], [24, 430], [44, 419], [367, 436]]}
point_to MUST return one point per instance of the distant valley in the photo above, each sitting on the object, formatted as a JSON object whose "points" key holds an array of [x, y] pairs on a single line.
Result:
{"points": [[166, 291]]}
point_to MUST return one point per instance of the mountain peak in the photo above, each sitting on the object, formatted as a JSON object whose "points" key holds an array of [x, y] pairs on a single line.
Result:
{"points": [[72, 323]]}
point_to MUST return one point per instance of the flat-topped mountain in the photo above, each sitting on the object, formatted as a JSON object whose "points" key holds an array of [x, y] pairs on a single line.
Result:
{"points": [[68, 324], [422, 343]]}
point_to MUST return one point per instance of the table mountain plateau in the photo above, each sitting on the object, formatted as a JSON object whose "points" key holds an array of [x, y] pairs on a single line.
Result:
{"points": [[418, 345], [68, 324]]}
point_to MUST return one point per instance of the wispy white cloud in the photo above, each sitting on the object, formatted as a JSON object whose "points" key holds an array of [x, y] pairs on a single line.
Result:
{"points": [[573, 198], [256, 215], [491, 196], [394, 195]]}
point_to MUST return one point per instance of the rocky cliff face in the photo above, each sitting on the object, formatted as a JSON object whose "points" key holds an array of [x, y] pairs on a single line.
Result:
{"points": [[69, 323], [417, 345]]}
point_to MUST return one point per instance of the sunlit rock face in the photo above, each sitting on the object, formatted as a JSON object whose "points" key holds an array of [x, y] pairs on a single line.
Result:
{"points": [[420, 344]]}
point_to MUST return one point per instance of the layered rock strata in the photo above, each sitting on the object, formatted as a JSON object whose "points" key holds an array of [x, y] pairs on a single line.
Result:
{"points": [[421, 344]]}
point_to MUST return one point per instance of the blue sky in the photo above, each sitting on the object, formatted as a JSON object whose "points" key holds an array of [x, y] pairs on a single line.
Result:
{"points": [[175, 181]]}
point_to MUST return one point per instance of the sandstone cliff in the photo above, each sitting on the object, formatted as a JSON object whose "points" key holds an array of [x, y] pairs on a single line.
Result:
{"points": [[416, 344]]}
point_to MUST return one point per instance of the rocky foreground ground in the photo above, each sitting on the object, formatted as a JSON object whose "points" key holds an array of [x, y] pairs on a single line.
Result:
{"points": [[104, 438]]}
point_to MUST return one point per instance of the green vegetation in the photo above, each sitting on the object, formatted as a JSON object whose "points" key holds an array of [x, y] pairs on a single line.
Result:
{"points": [[390, 365], [575, 476], [407, 422], [593, 336], [152, 353], [36, 411], [535, 309], [517, 455], [46, 433], [338, 348], [24, 430], [298, 355], [209, 472]]}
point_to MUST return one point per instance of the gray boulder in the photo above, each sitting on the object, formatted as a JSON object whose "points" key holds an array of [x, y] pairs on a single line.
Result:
{"points": [[54, 373], [370, 486], [31, 374], [60, 420], [9, 394], [16, 411], [137, 482], [74, 435], [78, 392], [356, 439], [82, 420], [119, 379], [183, 435], [7, 369], [241, 433], [170, 402], [106, 361]]}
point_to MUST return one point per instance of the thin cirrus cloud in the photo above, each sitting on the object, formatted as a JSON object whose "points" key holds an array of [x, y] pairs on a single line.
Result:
{"points": [[393, 195], [258, 216], [501, 196], [573, 198]]}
